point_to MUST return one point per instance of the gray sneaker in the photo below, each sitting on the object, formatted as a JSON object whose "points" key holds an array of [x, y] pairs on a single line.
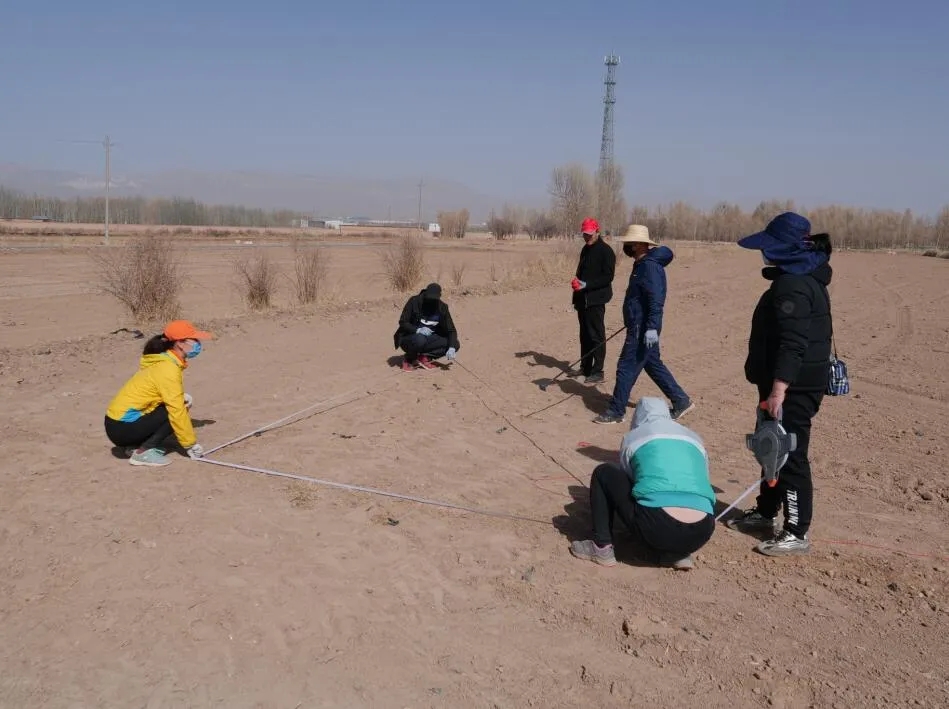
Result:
{"points": [[674, 561], [785, 544], [153, 457], [589, 551], [751, 521], [608, 418]]}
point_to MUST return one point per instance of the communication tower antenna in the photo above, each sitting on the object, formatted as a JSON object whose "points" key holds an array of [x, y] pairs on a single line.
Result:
{"points": [[609, 99]]}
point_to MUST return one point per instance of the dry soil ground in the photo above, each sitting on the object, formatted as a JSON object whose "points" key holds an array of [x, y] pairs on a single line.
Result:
{"points": [[198, 585]]}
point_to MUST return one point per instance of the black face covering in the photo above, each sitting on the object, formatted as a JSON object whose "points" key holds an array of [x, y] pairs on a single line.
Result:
{"points": [[628, 249]]}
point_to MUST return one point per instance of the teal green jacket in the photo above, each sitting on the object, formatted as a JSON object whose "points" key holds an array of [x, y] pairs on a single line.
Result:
{"points": [[666, 461]]}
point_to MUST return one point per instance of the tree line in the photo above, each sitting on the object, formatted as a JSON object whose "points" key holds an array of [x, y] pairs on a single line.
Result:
{"points": [[576, 193], [177, 211]]}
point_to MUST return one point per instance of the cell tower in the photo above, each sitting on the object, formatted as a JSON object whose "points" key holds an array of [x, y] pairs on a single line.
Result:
{"points": [[606, 142]]}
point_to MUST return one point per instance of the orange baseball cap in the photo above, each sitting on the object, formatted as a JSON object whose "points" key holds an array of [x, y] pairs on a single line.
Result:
{"points": [[184, 330]]}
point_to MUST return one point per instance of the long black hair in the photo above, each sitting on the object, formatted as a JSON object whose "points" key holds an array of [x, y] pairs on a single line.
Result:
{"points": [[157, 345], [822, 243]]}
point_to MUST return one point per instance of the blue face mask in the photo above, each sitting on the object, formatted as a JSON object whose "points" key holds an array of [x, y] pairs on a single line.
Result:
{"points": [[194, 351]]}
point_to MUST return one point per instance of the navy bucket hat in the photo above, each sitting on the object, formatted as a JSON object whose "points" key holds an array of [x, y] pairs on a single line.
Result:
{"points": [[786, 243], [783, 233]]}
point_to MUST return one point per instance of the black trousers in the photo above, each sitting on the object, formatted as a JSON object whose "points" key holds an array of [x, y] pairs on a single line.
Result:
{"points": [[592, 334], [611, 495], [433, 346], [794, 491], [150, 431]]}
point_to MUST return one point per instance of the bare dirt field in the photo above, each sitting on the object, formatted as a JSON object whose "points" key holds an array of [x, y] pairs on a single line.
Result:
{"points": [[199, 585]]}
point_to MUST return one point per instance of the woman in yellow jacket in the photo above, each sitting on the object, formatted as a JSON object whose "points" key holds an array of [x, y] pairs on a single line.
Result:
{"points": [[152, 405]]}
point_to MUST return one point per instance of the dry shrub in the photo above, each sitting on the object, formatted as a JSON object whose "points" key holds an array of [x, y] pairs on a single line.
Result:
{"points": [[256, 280], [556, 266], [931, 253], [301, 495], [458, 273], [944, 254], [310, 271], [404, 263], [144, 275]]}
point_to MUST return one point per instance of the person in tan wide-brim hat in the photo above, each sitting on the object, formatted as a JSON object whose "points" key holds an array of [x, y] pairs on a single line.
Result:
{"points": [[642, 316], [637, 234]]}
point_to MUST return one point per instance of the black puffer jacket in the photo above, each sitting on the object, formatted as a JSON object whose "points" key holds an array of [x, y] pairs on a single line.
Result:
{"points": [[791, 331], [597, 267]]}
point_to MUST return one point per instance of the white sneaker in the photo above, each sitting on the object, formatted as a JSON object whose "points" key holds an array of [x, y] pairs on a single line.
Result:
{"points": [[785, 544], [153, 457]]}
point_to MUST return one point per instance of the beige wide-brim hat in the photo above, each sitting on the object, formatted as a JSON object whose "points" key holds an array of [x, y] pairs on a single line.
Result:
{"points": [[637, 234]]}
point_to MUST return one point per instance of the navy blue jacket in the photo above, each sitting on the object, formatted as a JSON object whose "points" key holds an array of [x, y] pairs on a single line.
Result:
{"points": [[646, 293]]}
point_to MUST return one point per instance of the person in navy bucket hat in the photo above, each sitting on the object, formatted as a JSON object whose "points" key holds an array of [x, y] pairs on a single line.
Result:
{"points": [[789, 351], [787, 241]]}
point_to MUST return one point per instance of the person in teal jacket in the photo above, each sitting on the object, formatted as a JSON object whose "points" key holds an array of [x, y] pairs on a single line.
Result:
{"points": [[660, 490]]}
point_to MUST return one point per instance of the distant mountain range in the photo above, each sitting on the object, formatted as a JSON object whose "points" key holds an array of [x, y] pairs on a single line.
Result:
{"points": [[317, 195]]}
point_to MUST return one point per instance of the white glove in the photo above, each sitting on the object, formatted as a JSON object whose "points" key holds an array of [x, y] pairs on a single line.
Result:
{"points": [[196, 451], [188, 401], [427, 331], [652, 338], [451, 353]]}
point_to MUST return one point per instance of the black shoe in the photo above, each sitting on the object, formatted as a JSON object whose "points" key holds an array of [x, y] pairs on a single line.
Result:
{"points": [[680, 410], [608, 418], [594, 379]]}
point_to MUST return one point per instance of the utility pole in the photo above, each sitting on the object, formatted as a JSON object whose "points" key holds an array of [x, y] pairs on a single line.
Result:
{"points": [[420, 183], [108, 181]]}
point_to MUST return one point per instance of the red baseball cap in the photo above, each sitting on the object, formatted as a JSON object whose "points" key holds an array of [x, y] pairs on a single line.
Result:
{"points": [[590, 226], [178, 330]]}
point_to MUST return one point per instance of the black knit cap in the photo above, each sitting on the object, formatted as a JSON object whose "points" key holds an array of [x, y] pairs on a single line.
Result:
{"points": [[432, 291]]}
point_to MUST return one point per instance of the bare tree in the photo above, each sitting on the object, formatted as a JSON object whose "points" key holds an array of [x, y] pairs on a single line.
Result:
{"points": [[610, 203], [572, 194], [454, 224], [540, 225], [941, 229], [506, 224]]}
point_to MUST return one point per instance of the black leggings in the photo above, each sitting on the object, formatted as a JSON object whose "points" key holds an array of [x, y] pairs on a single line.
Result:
{"points": [[150, 431], [795, 489], [611, 492], [433, 346]]}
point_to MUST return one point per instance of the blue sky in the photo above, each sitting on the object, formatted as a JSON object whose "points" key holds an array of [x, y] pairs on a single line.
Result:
{"points": [[821, 101]]}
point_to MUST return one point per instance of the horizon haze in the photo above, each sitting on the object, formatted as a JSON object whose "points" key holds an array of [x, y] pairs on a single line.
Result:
{"points": [[344, 109]]}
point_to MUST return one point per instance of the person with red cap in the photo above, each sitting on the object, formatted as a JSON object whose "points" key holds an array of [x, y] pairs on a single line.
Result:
{"points": [[592, 290], [152, 405]]}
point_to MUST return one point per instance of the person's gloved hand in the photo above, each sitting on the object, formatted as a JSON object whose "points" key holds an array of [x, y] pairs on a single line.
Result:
{"points": [[427, 331], [651, 338], [196, 451], [451, 353], [578, 284], [188, 401]]}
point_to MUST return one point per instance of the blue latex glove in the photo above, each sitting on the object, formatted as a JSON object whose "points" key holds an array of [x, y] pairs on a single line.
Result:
{"points": [[451, 353], [651, 338], [427, 331]]}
